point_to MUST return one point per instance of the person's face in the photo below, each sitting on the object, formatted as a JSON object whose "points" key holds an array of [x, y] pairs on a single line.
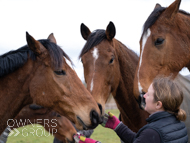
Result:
{"points": [[150, 106]]}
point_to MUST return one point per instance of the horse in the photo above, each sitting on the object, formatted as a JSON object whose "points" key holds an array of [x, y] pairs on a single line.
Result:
{"points": [[164, 50], [109, 68], [53, 123], [39, 73], [164, 45]]}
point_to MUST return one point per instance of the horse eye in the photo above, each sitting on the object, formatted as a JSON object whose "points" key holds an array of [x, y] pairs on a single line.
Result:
{"points": [[111, 61], [159, 41], [61, 72]]}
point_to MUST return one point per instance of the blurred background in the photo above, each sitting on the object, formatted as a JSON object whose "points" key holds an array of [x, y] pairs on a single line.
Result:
{"points": [[63, 18]]}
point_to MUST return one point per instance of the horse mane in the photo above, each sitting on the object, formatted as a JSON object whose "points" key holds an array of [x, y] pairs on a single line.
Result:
{"points": [[12, 60], [94, 39], [155, 15]]}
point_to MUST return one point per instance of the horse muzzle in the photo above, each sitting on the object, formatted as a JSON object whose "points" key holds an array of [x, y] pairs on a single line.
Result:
{"points": [[141, 101], [94, 118]]}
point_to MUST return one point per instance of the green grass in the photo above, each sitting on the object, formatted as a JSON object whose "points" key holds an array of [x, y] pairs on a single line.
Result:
{"points": [[106, 135], [37, 134], [31, 134]]}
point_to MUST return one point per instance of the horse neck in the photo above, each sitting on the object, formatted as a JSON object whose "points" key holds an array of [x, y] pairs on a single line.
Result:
{"points": [[131, 114], [14, 93]]}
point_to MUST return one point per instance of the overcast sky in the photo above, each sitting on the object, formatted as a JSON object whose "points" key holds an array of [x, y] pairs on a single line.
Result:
{"points": [[64, 17]]}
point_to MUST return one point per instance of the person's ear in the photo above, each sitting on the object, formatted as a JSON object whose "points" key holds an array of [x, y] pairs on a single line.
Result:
{"points": [[158, 105]]}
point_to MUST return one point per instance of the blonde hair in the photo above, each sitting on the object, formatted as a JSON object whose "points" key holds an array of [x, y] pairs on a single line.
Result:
{"points": [[171, 96]]}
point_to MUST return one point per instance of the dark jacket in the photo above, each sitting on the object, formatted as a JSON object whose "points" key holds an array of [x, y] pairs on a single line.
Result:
{"points": [[162, 127]]}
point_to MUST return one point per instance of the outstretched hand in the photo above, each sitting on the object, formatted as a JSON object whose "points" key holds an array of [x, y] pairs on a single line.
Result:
{"points": [[110, 121], [81, 139]]}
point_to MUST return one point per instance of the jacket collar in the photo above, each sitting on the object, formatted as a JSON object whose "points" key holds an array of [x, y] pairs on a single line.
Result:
{"points": [[158, 115]]}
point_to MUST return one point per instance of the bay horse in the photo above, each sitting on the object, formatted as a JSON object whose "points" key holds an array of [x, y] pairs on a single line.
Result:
{"points": [[52, 122], [39, 73], [164, 49], [109, 68]]}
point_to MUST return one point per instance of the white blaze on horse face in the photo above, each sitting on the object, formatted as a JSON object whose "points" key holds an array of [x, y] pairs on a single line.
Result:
{"points": [[144, 39], [95, 55]]}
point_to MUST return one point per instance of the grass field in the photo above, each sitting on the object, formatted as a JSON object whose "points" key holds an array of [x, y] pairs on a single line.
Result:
{"points": [[106, 135], [37, 134]]}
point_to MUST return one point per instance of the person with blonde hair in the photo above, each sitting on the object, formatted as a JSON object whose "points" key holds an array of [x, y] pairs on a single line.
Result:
{"points": [[165, 123]]}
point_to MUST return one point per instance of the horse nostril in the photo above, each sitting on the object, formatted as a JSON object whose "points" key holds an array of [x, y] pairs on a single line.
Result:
{"points": [[94, 113], [100, 107], [141, 101], [94, 118], [94, 121]]}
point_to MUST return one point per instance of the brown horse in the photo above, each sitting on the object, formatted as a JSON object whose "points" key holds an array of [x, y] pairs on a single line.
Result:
{"points": [[54, 123], [164, 45], [38, 73], [109, 68], [164, 49]]}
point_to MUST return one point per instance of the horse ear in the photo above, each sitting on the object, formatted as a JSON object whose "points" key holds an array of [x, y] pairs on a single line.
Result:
{"points": [[172, 10], [52, 38], [157, 6], [34, 45], [110, 31], [85, 31]]}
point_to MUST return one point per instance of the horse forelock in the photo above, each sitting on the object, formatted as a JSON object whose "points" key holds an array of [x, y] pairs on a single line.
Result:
{"points": [[12, 60], [155, 15], [94, 39], [68, 59], [56, 53], [152, 18]]}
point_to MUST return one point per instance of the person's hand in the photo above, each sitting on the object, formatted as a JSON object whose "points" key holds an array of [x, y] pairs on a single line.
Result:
{"points": [[110, 121], [81, 139]]}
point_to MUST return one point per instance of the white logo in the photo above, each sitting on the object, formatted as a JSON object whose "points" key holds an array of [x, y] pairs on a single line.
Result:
{"points": [[12, 132], [26, 131]]}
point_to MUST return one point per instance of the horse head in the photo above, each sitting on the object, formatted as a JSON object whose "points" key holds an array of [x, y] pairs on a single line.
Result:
{"points": [[54, 84], [100, 62], [164, 46]]}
